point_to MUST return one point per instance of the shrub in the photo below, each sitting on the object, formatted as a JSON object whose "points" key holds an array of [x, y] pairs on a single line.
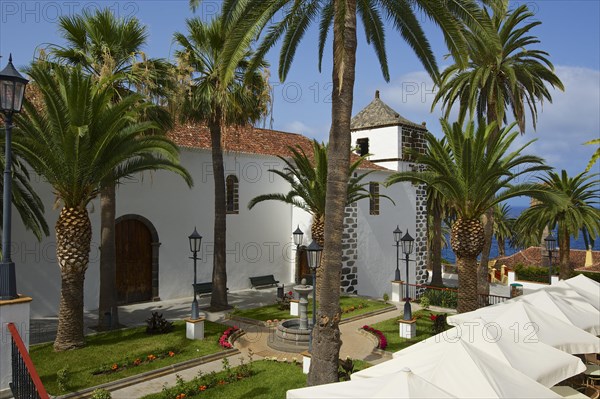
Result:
{"points": [[101, 394], [439, 323], [533, 273], [386, 297], [63, 378], [158, 325], [380, 336], [424, 302], [593, 275], [224, 338], [445, 298], [345, 369], [284, 303]]}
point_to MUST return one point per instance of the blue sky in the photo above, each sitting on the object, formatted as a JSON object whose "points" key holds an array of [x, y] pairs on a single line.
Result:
{"points": [[570, 32]]}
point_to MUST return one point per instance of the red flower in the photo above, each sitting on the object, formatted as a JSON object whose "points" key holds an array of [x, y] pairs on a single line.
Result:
{"points": [[171, 353], [202, 387], [432, 317], [115, 366], [137, 362], [290, 293]]}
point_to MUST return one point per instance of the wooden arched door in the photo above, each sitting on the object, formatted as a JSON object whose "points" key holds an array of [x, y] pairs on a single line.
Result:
{"points": [[134, 261]]}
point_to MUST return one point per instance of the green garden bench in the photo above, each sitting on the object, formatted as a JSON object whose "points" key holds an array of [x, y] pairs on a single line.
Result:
{"points": [[259, 281]]}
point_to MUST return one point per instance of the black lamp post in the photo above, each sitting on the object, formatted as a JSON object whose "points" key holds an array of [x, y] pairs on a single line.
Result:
{"points": [[195, 240], [12, 91], [298, 237], [397, 235], [407, 248], [313, 254], [550, 242]]}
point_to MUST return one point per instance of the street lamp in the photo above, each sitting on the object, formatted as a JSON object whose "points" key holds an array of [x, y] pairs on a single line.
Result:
{"points": [[12, 91], [195, 240], [313, 254], [550, 242], [397, 235], [298, 237], [407, 248]]}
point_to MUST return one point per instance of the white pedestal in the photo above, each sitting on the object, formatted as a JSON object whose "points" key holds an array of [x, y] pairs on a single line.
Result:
{"points": [[305, 362], [294, 307], [408, 328], [15, 311], [397, 291], [194, 329]]}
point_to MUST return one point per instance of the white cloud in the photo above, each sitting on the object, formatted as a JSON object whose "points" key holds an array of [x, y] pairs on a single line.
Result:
{"points": [[319, 133]]}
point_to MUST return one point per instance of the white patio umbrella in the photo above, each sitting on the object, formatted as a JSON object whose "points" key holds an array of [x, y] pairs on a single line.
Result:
{"points": [[526, 323], [462, 370], [538, 361], [402, 384], [577, 312], [586, 287]]}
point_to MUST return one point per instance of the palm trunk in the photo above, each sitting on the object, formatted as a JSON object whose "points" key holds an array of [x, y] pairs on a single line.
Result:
{"points": [[436, 248], [467, 241], [564, 252], [107, 303], [317, 229], [326, 340], [488, 233], [218, 300], [501, 247], [73, 239]]}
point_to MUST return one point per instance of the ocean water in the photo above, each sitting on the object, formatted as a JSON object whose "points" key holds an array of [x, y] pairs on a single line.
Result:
{"points": [[516, 211]]}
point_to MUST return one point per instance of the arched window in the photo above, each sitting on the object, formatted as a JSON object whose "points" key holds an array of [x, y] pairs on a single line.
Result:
{"points": [[231, 195]]}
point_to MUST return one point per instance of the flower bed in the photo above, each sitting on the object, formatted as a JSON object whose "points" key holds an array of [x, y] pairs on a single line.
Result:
{"points": [[224, 339], [380, 336]]}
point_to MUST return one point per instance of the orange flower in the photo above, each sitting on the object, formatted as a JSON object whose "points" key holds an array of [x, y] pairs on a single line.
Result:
{"points": [[137, 362], [180, 396], [171, 353], [221, 382], [115, 366], [151, 357], [202, 387]]}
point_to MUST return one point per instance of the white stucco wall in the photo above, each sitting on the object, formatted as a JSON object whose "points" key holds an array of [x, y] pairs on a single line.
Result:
{"points": [[259, 241], [384, 143], [376, 249]]}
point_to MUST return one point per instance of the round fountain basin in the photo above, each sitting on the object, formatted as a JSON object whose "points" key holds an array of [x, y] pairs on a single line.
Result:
{"points": [[289, 337]]}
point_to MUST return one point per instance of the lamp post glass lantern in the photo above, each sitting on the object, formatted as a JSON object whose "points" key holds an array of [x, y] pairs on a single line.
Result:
{"points": [[12, 92], [195, 241], [397, 237], [313, 254], [550, 243], [298, 238], [407, 248]]}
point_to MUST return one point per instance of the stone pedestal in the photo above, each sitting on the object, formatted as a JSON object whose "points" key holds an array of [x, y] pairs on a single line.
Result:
{"points": [[294, 307], [408, 328], [194, 328], [305, 362], [397, 290], [14, 311]]}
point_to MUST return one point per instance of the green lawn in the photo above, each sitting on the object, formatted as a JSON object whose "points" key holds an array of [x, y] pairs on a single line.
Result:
{"points": [[270, 312], [120, 347], [270, 380], [391, 331]]}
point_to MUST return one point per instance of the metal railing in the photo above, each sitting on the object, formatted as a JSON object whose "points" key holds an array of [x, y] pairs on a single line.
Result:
{"points": [[488, 300], [26, 383], [416, 291]]}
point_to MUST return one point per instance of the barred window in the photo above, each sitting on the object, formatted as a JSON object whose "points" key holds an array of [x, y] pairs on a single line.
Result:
{"points": [[374, 199], [231, 193]]}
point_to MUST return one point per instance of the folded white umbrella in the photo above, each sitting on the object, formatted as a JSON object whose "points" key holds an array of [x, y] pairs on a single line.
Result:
{"points": [[586, 287], [577, 312], [463, 370], [402, 384], [526, 323], [538, 361]]}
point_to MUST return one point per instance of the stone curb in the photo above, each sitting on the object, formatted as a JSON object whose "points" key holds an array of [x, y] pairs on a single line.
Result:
{"points": [[373, 338], [149, 375], [368, 314]]}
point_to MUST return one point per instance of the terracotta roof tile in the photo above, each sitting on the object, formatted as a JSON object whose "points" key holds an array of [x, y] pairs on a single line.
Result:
{"points": [[532, 256], [248, 140]]}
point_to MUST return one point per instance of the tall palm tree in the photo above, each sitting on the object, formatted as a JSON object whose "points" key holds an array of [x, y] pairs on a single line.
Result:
{"points": [[472, 180], [436, 209], [307, 177], [107, 46], [218, 102], [77, 140], [253, 17], [580, 213], [503, 227], [503, 72]]}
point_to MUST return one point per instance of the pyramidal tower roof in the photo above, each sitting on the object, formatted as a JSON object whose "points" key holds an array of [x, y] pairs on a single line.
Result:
{"points": [[378, 114]]}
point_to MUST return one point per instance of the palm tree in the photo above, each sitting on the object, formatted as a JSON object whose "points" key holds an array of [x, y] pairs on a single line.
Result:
{"points": [[595, 156], [253, 17], [76, 141], [580, 213], [503, 227], [218, 102], [107, 46], [436, 209], [472, 180], [503, 72], [307, 177]]}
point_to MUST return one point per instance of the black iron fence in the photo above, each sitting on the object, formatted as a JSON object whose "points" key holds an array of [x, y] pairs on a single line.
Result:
{"points": [[488, 300], [444, 297], [26, 383]]}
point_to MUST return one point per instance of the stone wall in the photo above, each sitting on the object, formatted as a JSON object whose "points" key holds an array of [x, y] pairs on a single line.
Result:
{"points": [[350, 250], [413, 138], [421, 234]]}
